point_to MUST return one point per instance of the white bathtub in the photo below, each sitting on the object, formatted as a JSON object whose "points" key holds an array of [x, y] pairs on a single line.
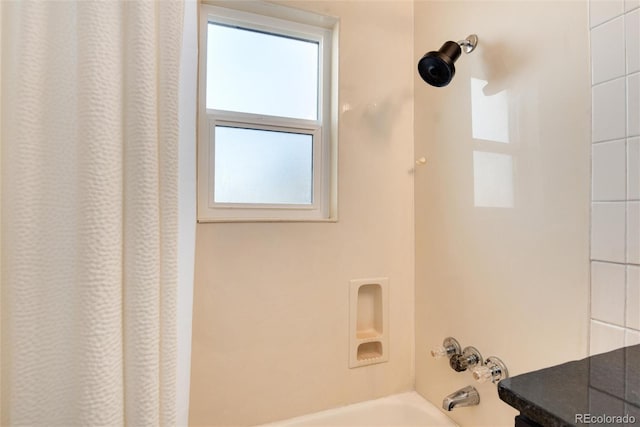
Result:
{"points": [[398, 410]]}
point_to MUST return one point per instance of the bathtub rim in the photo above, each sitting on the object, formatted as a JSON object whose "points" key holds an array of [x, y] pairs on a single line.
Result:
{"points": [[411, 398]]}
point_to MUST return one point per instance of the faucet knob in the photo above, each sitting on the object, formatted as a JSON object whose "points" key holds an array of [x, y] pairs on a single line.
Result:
{"points": [[439, 352], [469, 358], [482, 374], [449, 347], [493, 370]]}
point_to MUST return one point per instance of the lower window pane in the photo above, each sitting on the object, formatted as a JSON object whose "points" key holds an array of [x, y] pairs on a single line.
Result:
{"points": [[262, 166]]}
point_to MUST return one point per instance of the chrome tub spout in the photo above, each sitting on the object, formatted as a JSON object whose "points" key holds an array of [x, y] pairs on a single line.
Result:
{"points": [[467, 396]]}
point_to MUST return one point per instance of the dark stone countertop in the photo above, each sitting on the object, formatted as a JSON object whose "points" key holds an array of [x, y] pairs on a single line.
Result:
{"points": [[606, 384]]}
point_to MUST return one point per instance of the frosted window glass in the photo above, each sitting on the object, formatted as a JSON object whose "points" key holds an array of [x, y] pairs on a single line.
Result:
{"points": [[261, 166], [254, 72]]}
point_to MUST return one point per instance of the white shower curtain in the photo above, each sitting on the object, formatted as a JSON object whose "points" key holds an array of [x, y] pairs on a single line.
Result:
{"points": [[89, 212]]}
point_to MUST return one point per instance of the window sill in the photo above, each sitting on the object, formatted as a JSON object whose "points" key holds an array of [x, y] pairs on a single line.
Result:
{"points": [[258, 220]]}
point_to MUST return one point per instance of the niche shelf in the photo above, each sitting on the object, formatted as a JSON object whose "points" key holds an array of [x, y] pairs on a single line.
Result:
{"points": [[369, 350], [368, 321]]}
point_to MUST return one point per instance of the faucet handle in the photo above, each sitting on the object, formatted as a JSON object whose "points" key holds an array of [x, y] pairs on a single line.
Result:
{"points": [[449, 347], [493, 369], [482, 374], [439, 352], [469, 358]]}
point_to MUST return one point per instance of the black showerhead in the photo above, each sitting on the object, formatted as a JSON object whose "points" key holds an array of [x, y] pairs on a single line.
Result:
{"points": [[436, 67]]}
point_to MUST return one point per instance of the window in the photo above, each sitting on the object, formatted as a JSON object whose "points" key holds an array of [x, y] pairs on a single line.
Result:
{"points": [[267, 120]]}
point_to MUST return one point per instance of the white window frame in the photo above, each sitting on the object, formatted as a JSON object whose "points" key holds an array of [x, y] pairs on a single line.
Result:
{"points": [[323, 130]]}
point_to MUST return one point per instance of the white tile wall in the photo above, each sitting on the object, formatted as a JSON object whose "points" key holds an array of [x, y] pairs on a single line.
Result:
{"points": [[633, 232], [608, 231], [609, 110], [615, 209], [633, 169], [632, 31], [608, 169], [632, 337], [633, 297], [605, 337], [603, 10], [631, 4], [633, 105], [608, 292], [608, 51]]}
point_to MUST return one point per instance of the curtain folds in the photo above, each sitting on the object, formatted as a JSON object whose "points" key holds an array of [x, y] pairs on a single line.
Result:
{"points": [[89, 205]]}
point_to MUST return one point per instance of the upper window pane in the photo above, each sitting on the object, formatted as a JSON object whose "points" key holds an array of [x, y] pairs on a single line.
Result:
{"points": [[255, 72]]}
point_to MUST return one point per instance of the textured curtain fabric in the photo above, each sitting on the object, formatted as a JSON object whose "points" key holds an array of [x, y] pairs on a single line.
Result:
{"points": [[89, 205]]}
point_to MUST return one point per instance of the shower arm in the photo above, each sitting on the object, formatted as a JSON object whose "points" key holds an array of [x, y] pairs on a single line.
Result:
{"points": [[469, 44]]}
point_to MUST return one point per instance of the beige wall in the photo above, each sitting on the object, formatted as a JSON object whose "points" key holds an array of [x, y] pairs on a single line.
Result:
{"points": [[270, 329], [511, 281], [271, 300]]}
